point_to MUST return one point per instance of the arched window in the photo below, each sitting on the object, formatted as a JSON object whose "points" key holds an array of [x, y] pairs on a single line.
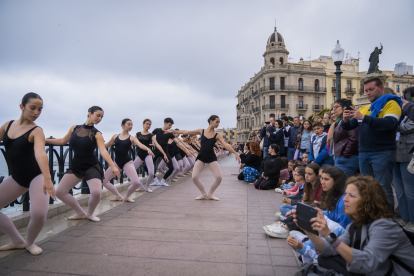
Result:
{"points": [[300, 84], [272, 61], [316, 85], [281, 60]]}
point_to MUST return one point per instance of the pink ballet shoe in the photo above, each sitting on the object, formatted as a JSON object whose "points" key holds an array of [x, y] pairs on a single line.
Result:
{"points": [[77, 217]]}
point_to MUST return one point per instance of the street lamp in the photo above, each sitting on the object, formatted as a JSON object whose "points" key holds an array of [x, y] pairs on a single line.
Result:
{"points": [[337, 56]]}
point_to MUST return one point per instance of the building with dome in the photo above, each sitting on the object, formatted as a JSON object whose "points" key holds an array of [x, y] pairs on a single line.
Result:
{"points": [[279, 87]]}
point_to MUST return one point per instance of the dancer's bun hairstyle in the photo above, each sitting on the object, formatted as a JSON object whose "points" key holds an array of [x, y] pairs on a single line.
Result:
{"points": [[31, 95], [212, 118]]}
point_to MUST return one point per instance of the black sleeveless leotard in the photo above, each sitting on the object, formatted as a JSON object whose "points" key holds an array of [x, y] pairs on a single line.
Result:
{"points": [[85, 163], [122, 148], [207, 154], [145, 140], [176, 151], [20, 157], [171, 149]]}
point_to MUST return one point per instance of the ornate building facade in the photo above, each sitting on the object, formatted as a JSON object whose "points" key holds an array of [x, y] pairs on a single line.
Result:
{"points": [[279, 87]]}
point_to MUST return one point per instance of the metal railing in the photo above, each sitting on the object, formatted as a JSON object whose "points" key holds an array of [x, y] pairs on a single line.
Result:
{"points": [[318, 107], [282, 106], [333, 89], [245, 100], [293, 88], [255, 93], [350, 90], [238, 117], [60, 157], [301, 106], [255, 110]]}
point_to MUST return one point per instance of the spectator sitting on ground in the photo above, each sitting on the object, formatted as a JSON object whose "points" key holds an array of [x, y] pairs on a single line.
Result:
{"points": [[377, 125], [319, 152], [251, 162], [270, 169], [284, 171], [305, 159], [371, 242], [291, 183], [294, 191], [291, 169]]}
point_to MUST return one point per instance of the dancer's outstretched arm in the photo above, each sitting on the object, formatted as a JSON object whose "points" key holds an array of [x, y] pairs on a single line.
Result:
{"points": [[111, 142], [186, 132], [104, 153], [135, 141], [61, 141], [227, 146], [177, 142]]}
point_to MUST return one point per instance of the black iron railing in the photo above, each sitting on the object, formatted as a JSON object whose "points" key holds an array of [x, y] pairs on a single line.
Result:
{"points": [[293, 88], [61, 157]]}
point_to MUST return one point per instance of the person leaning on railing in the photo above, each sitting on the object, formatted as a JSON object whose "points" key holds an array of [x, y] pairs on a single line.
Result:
{"points": [[373, 244]]}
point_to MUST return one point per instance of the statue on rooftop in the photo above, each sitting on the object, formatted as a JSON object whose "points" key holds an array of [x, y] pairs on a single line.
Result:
{"points": [[374, 60]]}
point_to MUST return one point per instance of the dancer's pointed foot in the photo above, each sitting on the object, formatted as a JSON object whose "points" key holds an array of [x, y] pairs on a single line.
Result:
{"points": [[212, 197], [174, 180], [202, 197], [149, 190], [93, 218], [34, 249], [128, 200], [117, 199], [77, 217], [140, 190], [12, 246]]}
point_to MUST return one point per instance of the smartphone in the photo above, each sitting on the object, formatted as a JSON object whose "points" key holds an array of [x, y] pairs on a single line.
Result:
{"points": [[304, 214], [267, 123], [407, 96], [348, 104]]}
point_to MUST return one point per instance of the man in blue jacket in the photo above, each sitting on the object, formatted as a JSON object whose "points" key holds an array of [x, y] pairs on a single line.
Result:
{"points": [[263, 134], [292, 133]]}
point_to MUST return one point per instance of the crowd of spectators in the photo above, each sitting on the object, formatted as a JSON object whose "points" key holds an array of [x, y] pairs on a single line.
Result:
{"points": [[348, 165]]}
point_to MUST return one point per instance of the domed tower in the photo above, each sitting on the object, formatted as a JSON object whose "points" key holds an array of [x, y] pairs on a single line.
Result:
{"points": [[276, 52]]}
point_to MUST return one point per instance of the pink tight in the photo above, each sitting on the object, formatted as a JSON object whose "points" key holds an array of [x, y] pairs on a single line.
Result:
{"points": [[214, 168], [186, 165], [131, 173], [68, 182], [149, 162], [39, 205]]}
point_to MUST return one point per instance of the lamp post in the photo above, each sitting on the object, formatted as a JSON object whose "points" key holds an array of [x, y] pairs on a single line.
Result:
{"points": [[337, 56]]}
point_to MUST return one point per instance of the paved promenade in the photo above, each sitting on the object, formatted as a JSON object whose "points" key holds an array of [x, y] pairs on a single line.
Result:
{"points": [[169, 233]]}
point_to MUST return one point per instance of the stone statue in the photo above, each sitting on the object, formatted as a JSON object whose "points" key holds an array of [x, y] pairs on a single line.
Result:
{"points": [[374, 60]]}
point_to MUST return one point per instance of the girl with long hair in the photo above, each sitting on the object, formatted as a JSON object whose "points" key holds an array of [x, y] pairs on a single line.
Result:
{"points": [[251, 162]]}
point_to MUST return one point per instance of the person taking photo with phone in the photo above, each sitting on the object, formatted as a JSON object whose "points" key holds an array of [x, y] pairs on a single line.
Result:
{"points": [[377, 125], [264, 134]]}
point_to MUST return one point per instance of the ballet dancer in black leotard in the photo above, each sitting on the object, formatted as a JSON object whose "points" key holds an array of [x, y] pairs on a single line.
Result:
{"points": [[147, 139], [85, 165], [162, 139], [123, 143], [208, 156], [28, 164]]}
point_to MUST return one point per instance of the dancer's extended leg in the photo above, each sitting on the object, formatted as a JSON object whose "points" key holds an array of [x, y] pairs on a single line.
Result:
{"points": [[133, 176], [176, 168], [109, 186], [62, 192], [39, 205], [95, 187], [9, 191], [215, 169], [198, 167], [186, 165], [162, 167], [150, 166]]}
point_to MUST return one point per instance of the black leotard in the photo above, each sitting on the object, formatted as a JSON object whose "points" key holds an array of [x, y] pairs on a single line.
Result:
{"points": [[122, 148], [145, 140], [207, 154], [176, 151], [20, 157], [162, 140], [85, 163]]}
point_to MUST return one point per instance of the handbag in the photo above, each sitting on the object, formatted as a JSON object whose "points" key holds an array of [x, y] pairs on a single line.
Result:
{"points": [[410, 166]]}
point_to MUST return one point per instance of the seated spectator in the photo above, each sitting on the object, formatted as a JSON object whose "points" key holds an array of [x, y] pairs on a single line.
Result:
{"points": [[284, 171], [251, 162], [291, 164], [319, 152], [297, 190], [372, 243], [270, 170], [305, 159]]}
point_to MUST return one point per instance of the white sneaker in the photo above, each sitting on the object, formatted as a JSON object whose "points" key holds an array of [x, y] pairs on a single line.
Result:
{"points": [[279, 216], [278, 190], [276, 231], [162, 183], [155, 183]]}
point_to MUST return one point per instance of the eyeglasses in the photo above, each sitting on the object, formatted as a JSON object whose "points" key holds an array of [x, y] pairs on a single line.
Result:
{"points": [[335, 107]]}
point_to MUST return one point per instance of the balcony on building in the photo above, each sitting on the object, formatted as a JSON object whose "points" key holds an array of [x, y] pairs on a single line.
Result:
{"points": [[333, 89], [255, 93], [318, 107], [238, 117], [293, 88], [301, 106], [255, 110], [350, 90], [282, 106]]}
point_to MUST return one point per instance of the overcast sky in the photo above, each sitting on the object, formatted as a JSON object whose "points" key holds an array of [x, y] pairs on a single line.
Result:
{"points": [[179, 59]]}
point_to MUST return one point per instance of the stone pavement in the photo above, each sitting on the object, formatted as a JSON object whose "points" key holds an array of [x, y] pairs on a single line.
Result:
{"points": [[169, 233]]}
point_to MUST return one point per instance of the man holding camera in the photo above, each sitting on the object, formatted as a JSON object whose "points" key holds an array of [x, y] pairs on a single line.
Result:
{"points": [[264, 134], [378, 125]]}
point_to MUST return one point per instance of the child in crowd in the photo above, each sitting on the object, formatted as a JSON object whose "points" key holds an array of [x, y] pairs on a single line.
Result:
{"points": [[290, 184], [319, 152], [305, 159], [317, 119], [284, 171]]}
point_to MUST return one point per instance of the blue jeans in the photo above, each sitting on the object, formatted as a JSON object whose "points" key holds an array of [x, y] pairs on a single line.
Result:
{"points": [[265, 152], [286, 208], [350, 165], [403, 182], [291, 153], [379, 164], [287, 187]]}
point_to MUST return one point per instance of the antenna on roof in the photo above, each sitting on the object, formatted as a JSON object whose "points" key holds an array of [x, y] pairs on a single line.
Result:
{"points": [[275, 24], [358, 55], [310, 55]]}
